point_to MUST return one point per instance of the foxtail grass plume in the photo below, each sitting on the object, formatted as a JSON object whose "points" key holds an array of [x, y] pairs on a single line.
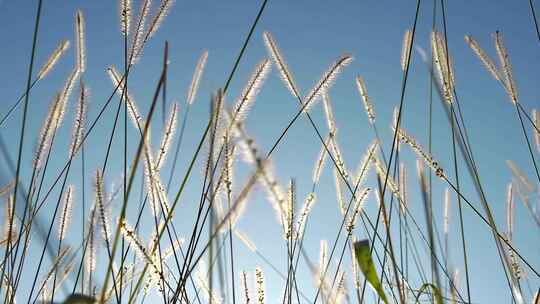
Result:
{"points": [[484, 58], [443, 65], [47, 130], [290, 203], [133, 111], [228, 166], [338, 157], [168, 135], [323, 261], [99, 201], [197, 75], [358, 207], [157, 20], [259, 282], [125, 16], [81, 37], [426, 157], [381, 171], [280, 63], [355, 272], [304, 213], [406, 49], [252, 88], [326, 81], [65, 218], [80, 119], [536, 128], [329, 113], [156, 275], [244, 286], [67, 90], [53, 59], [321, 160], [131, 236], [91, 256], [363, 168], [137, 37], [446, 218], [340, 194], [9, 225], [509, 211], [504, 61], [54, 118], [368, 106]]}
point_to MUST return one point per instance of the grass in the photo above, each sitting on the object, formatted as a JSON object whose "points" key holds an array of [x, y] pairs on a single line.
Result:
{"points": [[152, 249]]}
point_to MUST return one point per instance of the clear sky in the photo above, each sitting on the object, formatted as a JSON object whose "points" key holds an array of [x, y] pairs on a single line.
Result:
{"points": [[311, 35]]}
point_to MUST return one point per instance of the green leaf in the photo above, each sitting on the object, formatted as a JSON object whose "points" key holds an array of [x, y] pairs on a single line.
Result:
{"points": [[436, 293], [79, 299], [363, 257]]}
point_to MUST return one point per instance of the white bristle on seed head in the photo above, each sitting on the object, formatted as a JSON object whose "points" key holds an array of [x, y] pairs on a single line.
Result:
{"points": [[506, 67], [447, 201], [252, 88], [304, 213], [197, 75], [137, 37], [168, 136], [358, 207], [259, 282], [329, 113], [81, 37], [321, 160], [406, 49], [326, 81], [80, 119], [157, 20], [509, 210], [280, 63], [124, 9], [65, 218], [536, 128], [484, 58], [53, 59], [368, 105]]}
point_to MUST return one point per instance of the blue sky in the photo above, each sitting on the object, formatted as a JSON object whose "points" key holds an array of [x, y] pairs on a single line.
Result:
{"points": [[311, 35]]}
